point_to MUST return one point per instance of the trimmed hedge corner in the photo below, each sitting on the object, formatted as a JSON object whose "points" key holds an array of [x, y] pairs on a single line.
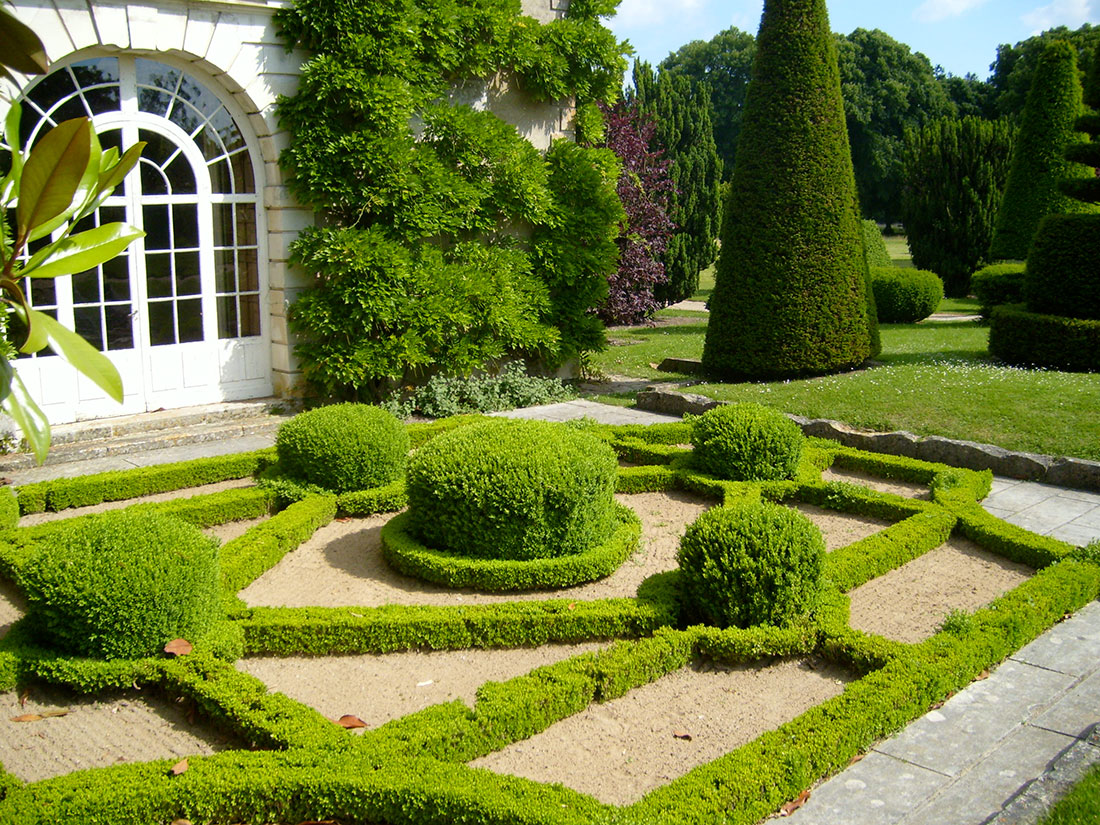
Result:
{"points": [[1028, 339]]}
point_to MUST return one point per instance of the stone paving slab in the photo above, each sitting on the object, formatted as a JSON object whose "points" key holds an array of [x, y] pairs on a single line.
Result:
{"points": [[1076, 712], [1070, 515], [573, 410], [1071, 647]]}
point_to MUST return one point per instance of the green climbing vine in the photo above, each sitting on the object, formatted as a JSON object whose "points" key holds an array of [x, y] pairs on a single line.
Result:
{"points": [[447, 241]]}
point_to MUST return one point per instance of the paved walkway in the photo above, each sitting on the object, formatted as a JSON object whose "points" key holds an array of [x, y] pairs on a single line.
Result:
{"points": [[997, 752]]}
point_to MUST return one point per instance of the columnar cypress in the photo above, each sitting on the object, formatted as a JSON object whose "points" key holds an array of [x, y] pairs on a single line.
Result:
{"points": [[684, 129], [1038, 161], [955, 172], [792, 293]]}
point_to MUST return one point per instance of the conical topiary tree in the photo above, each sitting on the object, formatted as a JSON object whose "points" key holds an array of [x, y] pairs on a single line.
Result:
{"points": [[791, 294], [1038, 161]]}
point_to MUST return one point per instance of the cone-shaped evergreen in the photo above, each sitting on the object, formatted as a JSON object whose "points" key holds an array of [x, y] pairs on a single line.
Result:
{"points": [[791, 294], [1039, 164], [1087, 187], [684, 130]]}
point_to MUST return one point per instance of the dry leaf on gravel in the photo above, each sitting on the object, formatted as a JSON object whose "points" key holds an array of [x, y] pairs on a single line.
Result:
{"points": [[350, 722], [178, 768], [792, 806], [178, 647], [36, 717], [681, 734]]}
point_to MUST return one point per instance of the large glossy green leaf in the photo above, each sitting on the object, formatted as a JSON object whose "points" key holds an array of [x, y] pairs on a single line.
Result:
{"points": [[11, 138], [20, 48], [81, 252], [28, 416], [113, 176], [36, 338], [6, 373], [78, 352], [53, 173]]}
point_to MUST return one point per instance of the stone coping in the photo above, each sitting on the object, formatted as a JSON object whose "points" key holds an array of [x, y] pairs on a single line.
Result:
{"points": [[1060, 471]]}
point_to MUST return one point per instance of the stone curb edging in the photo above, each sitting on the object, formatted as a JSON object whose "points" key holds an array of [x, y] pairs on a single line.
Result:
{"points": [[1060, 471]]}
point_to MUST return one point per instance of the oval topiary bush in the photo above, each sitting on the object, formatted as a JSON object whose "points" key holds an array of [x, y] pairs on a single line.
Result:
{"points": [[746, 442], [343, 447], [758, 563], [997, 284], [513, 489], [905, 296], [120, 585]]}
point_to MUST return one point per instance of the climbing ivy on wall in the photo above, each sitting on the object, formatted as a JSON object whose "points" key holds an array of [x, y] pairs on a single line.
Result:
{"points": [[403, 174]]}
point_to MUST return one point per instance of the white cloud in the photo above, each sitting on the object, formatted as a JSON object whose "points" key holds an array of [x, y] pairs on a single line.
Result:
{"points": [[633, 13], [933, 11], [1072, 13]]}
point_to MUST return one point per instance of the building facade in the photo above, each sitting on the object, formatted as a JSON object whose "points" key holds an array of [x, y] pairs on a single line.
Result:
{"points": [[195, 312]]}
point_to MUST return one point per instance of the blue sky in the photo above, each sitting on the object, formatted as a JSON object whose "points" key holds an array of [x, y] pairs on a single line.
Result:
{"points": [[960, 35]]}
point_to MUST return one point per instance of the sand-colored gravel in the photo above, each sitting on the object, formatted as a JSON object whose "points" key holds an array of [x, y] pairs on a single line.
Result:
{"points": [[840, 529], [909, 603]]}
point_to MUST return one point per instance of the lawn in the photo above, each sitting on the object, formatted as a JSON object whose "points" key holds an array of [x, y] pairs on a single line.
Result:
{"points": [[1081, 806], [935, 378]]}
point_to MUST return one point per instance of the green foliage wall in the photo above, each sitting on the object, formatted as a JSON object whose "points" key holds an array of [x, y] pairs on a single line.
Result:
{"points": [[417, 267], [791, 291], [955, 172], [684, 129], [1038, 160]]}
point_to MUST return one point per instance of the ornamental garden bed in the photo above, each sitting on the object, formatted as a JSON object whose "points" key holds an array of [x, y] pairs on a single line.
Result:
{"points": [[477, 704]]}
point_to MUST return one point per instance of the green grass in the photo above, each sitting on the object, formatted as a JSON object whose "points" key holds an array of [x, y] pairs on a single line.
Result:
{"points": [[935, 379], [1081, 806], [969, 306], [898, 247], [706, 285]]}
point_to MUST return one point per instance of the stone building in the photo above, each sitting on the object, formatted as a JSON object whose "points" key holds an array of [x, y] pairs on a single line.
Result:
{"points": [[196, 311]]}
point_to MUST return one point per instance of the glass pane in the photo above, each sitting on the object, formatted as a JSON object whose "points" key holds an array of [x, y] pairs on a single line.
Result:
{"points": [[161, 328], [250, 315], [87, 325], [42, 292], [73, 107], [158, 275], [184, 116], [153, 181], [209, 143], [120, 334], [51, 89], [242, 172], [86, 287], [111, 138], [158, 234], [159, 149], [154, 101], [102, 99], [223, 224], [185, 226], [224, 271], [189, 314], [181, 177], [199, 96], [151, 73], [116, 279], [227, 130], [246, 224], [220, 182], [227, 317], [84, 224], [96, 71], [111, 214], [187, 273], [248, 276]]}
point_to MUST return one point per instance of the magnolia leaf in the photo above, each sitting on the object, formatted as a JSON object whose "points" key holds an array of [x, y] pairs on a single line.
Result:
{"points": [[792, 806], [113, 176], [11, 138], [178, 768], [53, 173], [82, 252], [5, 377], [350, 722], [35, 338], [78, 352], [29, 417], [20, 47]]}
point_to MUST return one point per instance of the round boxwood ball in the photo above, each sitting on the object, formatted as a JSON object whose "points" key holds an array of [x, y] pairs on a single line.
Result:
{"points": [[754, 564], [121, 585], [905, 296], [513, 489], [343, 447], [746, 442]]}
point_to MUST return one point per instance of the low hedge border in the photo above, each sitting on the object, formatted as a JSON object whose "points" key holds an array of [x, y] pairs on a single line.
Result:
{"points": [[324, 631], [329, 773], [407, 555], [119, 485], [286, 490]]}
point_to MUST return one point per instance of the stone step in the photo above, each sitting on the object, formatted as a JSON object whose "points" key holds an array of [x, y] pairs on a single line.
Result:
{"points": [[154, 431]]}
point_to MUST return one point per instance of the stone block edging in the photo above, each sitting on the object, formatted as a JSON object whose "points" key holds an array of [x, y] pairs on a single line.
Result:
{"points": [[1060, 471]]}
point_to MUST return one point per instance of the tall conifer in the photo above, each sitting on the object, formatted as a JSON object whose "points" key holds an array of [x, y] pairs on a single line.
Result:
{"points": [[1038, 161], [684, 130], [791, 294]]}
